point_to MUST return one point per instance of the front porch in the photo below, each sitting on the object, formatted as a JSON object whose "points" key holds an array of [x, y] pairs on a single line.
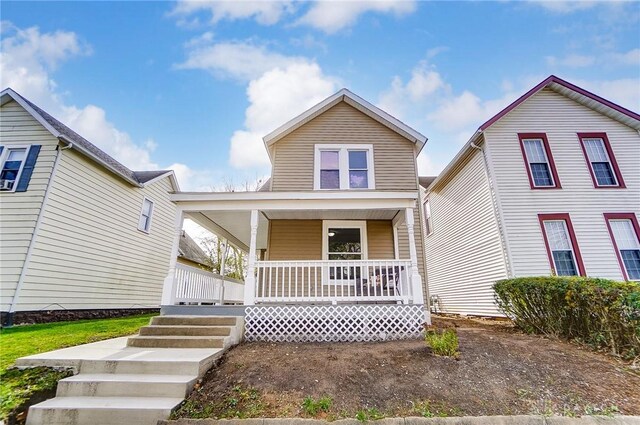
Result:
{"points": [[320, 266]]}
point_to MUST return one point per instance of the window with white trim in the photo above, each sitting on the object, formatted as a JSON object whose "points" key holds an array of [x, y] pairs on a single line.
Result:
{"points": [[599, 161], [12, 162], [564, 259], [538, 163], [427, 217], [144, 223], [628, 246], [341, 167]]}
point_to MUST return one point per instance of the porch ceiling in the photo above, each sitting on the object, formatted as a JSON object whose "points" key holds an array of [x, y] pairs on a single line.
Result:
{"points": [[331, 214]]}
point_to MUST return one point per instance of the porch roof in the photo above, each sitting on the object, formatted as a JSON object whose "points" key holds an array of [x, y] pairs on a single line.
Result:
{"points": [[227, 214]]}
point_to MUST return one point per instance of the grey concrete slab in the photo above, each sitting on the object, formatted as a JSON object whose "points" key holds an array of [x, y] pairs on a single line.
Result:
{"points": [[593, 420]]}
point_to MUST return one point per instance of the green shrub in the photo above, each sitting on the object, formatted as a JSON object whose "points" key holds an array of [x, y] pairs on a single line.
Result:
{"points": [[443, 343], [603, 313]]}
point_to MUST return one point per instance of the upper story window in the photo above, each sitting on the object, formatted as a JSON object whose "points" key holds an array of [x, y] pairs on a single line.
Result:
{"points": [[539, 162], [344, 167], [144, 223], [427, 217], [561, 244], [12, 162], [625, 235], [600, 160]]}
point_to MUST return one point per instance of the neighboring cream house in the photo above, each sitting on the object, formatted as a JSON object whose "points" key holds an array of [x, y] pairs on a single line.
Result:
{"points": [[550, 185], [78, 230], [334, 237]]}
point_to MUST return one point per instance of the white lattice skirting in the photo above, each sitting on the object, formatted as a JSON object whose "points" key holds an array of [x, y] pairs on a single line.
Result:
{"points": [[335, 323]]}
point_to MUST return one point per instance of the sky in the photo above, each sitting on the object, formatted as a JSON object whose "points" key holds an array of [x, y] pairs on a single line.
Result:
{"points": [[194, 85]]}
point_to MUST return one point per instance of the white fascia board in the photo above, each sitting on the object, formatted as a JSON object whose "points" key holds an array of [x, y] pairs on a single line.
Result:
{"points": [[290, 196], [459, 156], [344, 94], [296, 204], [13, 95]]}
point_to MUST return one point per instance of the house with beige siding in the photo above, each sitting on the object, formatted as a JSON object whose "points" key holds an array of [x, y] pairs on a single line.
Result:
{"points": [[548, 186], [333, 239], [78, 230]]}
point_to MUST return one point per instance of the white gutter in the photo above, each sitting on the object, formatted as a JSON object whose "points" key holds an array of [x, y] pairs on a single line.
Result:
{"points": [[32, 243]]}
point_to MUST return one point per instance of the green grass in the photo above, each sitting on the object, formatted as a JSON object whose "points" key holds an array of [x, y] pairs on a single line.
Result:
{"points": [[312, 407], [18, 386], [443, 343]]}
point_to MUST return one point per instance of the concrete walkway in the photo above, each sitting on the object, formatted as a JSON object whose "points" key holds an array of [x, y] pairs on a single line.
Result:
{"points": [[133, 380]]}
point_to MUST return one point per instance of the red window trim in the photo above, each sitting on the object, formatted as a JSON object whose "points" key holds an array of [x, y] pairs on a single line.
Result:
{"points": [[547, 149], [612, 160], [572, 236], [636, 227]]}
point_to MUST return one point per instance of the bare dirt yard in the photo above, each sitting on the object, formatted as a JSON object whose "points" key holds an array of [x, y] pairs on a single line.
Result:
{"points": [[499, 371]]}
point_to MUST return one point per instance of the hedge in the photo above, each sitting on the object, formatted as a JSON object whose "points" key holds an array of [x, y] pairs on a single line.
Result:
{"points": [[600, 312]]}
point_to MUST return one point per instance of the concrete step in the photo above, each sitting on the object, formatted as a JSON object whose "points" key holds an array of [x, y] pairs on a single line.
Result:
{"points": [[125, 385], [176, 341], [157, 330], [165, 367], [194, 320], [102, 410]]}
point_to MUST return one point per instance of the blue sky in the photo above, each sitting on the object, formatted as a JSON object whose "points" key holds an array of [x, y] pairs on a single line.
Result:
{"points": [[195, 85]]}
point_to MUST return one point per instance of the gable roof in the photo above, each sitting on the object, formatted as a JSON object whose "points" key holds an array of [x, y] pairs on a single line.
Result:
{"points": [[355, 101], [82, 145], [580, 95], [425, 181], [190, 250], [560, 86]]}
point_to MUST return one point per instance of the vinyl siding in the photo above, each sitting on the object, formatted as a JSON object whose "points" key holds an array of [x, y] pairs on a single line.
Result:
{"points": [[89, 252], [19, 211], [464, 251], [394, 156], [302, 240], [561, 118]]}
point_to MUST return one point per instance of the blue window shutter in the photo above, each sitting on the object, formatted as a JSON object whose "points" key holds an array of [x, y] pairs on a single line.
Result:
{"points": [[27, 171]]}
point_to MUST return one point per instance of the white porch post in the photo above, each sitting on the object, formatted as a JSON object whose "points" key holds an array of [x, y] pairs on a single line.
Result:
{"points": [[223, 267], [416, 280], [250, 281], [168, 288]]}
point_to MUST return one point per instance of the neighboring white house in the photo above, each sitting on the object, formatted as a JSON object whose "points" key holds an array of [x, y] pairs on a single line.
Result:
{"points": [[78, 230], [549, 185]]}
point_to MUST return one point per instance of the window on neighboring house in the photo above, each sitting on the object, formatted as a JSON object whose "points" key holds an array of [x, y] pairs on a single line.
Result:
{"points": [[344, 167], [600, 160], [561, 243], [12, 162], [144, 223], [537, 156], [427, 217], [625, 234]]}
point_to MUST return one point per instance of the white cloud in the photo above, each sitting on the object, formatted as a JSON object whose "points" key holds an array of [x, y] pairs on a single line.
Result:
{"points": [[609, 60], [425, 83], [624, 91], [571, 61], [277, 96], [332, 16], [240, 60], [264, 12], [27, 61], [563, 6]]}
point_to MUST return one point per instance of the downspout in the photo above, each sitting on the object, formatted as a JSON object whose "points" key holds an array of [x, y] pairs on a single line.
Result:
{"points": [[32, 243], [496, 209]]}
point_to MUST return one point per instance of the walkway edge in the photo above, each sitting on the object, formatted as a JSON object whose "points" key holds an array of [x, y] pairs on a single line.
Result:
{"points": [[460, 420]]}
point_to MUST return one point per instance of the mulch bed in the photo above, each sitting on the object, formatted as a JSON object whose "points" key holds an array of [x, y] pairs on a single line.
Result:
{"points": [[500, 371]]}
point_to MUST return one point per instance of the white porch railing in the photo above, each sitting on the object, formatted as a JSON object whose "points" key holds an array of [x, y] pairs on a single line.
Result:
{"points": [[194, 285], [333, 281]]}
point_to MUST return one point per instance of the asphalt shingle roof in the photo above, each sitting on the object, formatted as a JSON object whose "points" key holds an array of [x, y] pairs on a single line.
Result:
{"points": [[135, 176]]}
